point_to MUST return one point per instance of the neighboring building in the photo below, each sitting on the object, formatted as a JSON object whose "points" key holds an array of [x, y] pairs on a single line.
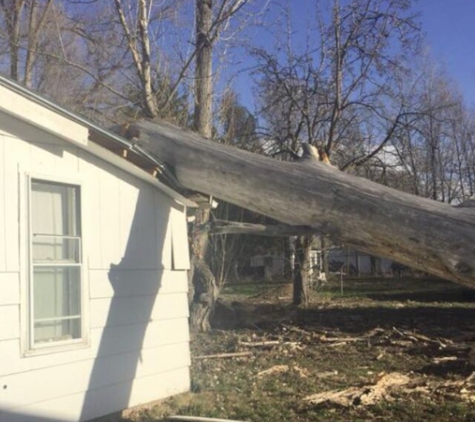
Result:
{"points": [[356, 263], [341, 259], [268, 266], [93, 260]]}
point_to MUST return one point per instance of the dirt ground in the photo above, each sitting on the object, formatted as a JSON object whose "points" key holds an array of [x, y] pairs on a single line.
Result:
{"points": [[385, 350]]}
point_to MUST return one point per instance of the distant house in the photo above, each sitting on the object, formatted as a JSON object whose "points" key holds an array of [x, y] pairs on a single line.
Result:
{"points": [[268, 266], [356, 263], [93, 260]]}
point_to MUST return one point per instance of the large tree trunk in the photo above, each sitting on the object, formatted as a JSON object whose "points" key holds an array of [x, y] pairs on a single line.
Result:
{"points": [[203, 279], [301, 294], [203, 82], [421, 233]]}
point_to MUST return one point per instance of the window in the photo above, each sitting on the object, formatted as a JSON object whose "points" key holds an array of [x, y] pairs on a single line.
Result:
{"points": [[56, 263]]}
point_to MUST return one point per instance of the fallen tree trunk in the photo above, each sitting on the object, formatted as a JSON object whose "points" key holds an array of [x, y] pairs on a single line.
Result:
{"points": [[421, 233], [214, 227]]}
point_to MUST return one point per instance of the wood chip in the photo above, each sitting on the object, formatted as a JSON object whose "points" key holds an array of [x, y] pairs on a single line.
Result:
{"points": [[277, 369], [302, 372], [366, 395], [326, 374]]}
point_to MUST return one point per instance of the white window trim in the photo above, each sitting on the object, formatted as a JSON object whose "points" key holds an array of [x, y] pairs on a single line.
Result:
{"points": [[27, 346]]}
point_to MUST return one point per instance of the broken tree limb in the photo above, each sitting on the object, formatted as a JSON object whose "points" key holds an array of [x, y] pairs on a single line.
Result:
{"points": [[260, 343], [277, 369], [421, 233], [224, 355], [366, 395], [217, 227]]}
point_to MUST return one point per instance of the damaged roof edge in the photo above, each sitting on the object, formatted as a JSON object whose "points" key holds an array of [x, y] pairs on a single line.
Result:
{"points": [[94, 129]]}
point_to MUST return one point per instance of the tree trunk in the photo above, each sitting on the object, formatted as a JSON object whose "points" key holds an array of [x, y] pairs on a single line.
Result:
{"points": [[418, 232], [238, 227], [288, 271], [205, 295], [302, 271], [201, 279], [204, 281], [325, 256], [203, 83]]}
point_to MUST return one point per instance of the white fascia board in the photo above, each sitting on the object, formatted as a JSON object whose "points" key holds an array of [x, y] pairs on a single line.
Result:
{"points": [[29, 111]]}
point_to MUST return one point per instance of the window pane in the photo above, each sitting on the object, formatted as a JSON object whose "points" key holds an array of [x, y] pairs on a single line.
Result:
{"points": [[56, 249], [56, 245], [56, 292], [55, 209], [58, 330]]}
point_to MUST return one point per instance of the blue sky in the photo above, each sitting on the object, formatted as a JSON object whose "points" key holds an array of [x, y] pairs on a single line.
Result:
{"points": [[449, 27], [450, 35]]}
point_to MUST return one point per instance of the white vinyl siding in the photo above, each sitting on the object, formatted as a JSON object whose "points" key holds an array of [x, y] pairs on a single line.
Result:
{"points": [[55, 285], [135, 340], [180, 253]]}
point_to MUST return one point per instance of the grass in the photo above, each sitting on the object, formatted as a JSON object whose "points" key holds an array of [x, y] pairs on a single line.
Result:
{"points": [[382, 313]]}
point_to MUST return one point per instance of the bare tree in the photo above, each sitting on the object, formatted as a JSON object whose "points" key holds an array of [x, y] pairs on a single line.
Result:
{"points": [[23, 23], [338, 92], [203, 68]]}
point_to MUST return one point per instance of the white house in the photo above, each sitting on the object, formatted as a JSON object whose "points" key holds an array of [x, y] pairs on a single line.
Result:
{"points": [[93, 260]]}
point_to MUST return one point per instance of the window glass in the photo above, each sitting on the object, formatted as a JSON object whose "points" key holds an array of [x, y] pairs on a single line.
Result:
{"points": [[56, 262]]}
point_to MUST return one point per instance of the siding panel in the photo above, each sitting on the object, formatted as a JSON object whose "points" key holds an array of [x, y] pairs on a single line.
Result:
{"points": [[104, 401], [3, 201], [46, 384], [9, 322], [91, 199], [9, 289], [181, 258], [136, 282], [104, 342], [11, 186], [163, 230], [134, 309], [111, 253]]}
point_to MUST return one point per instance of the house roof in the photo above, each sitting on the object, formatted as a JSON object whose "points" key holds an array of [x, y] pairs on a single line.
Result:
{"points": [[87, 135]]}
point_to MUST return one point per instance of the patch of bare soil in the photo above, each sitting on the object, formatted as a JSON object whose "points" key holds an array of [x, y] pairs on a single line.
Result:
{"points": [[377, 354]]}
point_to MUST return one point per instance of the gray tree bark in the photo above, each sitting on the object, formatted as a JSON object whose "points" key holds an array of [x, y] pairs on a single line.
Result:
{"points": [[214, 227], [421, 233], [301, 293], [203, 76], [203, 280]]}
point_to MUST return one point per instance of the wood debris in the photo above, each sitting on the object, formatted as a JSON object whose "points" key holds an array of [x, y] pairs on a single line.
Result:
{"points": [[259, 343], [326, 374], [281, 369], [341, 339], [270, 343], [277, 369], [224, 355], [302, 372], [444, 359], [364, 396], [416, 338]]}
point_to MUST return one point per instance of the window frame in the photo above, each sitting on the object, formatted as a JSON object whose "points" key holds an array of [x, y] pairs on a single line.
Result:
{"points": [[29, 347]]}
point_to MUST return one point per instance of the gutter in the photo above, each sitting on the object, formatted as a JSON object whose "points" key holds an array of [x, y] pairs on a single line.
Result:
{"points": [[37, 98]]}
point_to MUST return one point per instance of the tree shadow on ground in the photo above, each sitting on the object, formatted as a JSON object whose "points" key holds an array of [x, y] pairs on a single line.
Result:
{"points": [[453, 322], [431, 320], [459, 295]]}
